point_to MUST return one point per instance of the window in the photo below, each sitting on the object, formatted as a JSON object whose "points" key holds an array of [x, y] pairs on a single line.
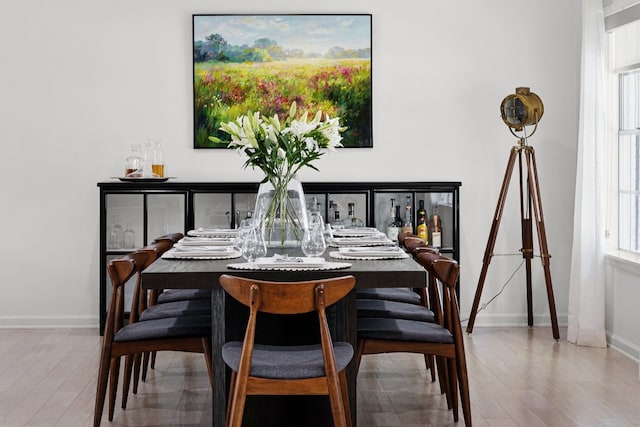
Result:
{"points": [[629, 162], [623, 27]]}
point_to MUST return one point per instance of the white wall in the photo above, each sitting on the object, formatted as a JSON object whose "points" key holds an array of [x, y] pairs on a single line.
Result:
{"points": [[82, 80]]}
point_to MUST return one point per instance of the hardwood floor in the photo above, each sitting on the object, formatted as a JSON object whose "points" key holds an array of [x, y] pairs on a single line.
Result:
{"points": [[518, 377]]}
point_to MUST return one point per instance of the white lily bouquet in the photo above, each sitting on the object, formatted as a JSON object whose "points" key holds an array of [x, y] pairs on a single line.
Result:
{"points": [[280, 150]]}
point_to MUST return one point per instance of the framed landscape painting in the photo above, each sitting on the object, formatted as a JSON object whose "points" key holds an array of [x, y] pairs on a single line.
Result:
{"points": [[265, 62]]}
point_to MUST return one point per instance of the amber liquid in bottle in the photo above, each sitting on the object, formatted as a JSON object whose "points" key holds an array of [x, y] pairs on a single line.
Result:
{"points": [[157, 170]]}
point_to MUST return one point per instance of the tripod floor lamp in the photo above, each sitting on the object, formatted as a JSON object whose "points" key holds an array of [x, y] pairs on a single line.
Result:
{"points": [[524, 108]]}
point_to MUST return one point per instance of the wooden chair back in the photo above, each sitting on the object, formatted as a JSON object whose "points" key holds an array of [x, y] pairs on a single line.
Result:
{"points": [[172, 237], [288, 298]]}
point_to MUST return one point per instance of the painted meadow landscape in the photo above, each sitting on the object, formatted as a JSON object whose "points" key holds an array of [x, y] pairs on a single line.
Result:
{"points": [[265, 62]]}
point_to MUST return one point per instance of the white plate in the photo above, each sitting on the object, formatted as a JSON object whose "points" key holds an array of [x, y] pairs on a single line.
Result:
{"points": [[256, 266], [356, 232], [202, 249], [372, 251], [359, 241], [213, 232], [290, 262], [173, 254], [340, 255], [205, 241]]}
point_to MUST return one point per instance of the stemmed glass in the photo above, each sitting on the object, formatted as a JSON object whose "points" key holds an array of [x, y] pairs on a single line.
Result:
{"points": [[243, 228], [254, 245], [313, 243]]}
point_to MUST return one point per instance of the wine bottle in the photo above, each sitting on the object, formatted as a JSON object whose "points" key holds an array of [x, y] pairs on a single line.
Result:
{"points": [[407, 225], [436, 231], [392, 227], [421, 227], [351, 221]]}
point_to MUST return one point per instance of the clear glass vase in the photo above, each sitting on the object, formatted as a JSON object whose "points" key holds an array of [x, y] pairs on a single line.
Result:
{"points": [[281, 212]]}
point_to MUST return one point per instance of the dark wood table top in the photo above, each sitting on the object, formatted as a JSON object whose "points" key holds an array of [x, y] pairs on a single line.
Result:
{"points": [[173, 273]]}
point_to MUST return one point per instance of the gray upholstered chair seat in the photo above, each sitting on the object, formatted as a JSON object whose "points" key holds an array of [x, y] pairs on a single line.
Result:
{"points": [[402, 330], [286, 362], [171, 295], [394, 309], [392, 294], [191, 307], [170, 327]]}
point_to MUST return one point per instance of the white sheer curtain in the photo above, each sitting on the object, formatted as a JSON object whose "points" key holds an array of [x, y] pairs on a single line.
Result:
{"points": [[587, 281]]}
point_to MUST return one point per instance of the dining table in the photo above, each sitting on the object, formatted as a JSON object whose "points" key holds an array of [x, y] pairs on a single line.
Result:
{"points": [[228, 317]]}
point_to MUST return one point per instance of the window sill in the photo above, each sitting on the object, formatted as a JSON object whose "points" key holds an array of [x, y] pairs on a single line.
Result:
{"points": [[624, 260]]}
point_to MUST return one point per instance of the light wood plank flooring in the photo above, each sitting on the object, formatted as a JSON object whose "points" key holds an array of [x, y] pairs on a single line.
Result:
{"points": [[518, 377]]}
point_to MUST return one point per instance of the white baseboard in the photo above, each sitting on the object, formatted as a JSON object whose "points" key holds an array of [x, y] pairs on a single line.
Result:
{"points": [[43, 322], [512, 320], [624, 346]]}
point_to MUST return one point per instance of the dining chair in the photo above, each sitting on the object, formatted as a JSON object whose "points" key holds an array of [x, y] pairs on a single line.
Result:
{"points": [[185, 333], [403, 303], [139, 363], [389, 335], [259, 369], [178, 296], [172, 295]]}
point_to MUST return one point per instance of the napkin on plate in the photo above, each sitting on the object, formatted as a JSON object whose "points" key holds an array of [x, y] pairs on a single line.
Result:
{"points": [[289, 262], [207, 249], [367, 251], [205, 241]]}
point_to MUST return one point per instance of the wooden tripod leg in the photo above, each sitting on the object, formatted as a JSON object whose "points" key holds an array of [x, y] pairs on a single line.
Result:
{"points": [[527, 236], [534, 190], [495, 225]]}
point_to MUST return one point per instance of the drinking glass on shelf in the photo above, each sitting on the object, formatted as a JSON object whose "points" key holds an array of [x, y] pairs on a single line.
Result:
{"points": [[114, 240], [254, 245], [129, 238], [313, 243]]}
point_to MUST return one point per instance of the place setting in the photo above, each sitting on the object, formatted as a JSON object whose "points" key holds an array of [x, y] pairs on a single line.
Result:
{"points": [[369, 253], [204, 247], [313, 245]]}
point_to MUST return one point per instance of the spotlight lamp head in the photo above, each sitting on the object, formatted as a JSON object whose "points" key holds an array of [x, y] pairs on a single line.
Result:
{"points": [[523, 108]]}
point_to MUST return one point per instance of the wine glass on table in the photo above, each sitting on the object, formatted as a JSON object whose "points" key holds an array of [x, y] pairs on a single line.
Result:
{"points": [[313, 243], [254, 245]]}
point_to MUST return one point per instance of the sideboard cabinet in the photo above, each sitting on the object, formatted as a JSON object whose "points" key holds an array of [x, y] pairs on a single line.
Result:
{"points": [[132, 214]]}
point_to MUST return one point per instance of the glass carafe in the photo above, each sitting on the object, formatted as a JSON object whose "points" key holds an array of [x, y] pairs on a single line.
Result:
{"points": [[133, 163], [129, 238], [114, 240]]}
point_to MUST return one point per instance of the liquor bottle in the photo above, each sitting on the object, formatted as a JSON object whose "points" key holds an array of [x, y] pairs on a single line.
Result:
{"points": [[407, 225], [133, 163], [392, 227], [436, 231], [157, 160], [421, 227], [336, 222], [351, 221]]}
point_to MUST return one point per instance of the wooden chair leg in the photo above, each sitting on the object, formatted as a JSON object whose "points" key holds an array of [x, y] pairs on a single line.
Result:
{"points": [[344, 389], [206, 346], [359, 353], [101, 388], [153, 360], [126, 381], [429, 361], [145, 365], [453, 387], [335, 397], [113, 384], [463, 382], [232, 386], [137, 361], [443, 374]]}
